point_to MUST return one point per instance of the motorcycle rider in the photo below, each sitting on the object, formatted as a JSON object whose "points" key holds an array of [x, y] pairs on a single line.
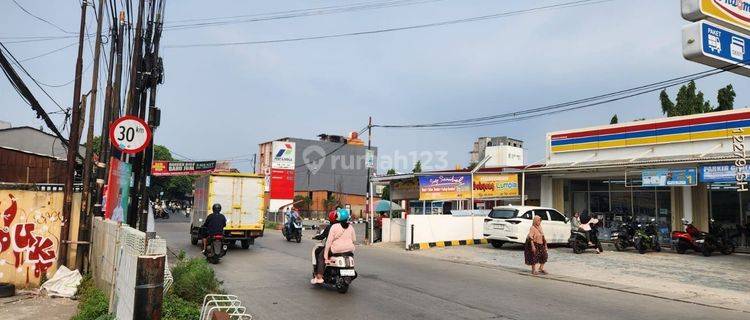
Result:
{"points": [[341, 237], [214, 224], [319, 265], [575, 222]]}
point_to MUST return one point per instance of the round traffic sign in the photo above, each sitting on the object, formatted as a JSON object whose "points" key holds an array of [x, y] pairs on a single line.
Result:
{"points": [[130, 134]]}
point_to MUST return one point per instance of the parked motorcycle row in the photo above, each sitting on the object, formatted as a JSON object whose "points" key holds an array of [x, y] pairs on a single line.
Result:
{"points": [[644, 236]]}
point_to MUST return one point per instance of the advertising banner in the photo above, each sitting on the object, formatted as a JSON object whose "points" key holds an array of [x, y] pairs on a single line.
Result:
{"points": [[495, 185], [404, 190], [669, 177], [118, 190], [445, 187], [282, 155], [181, 168], [282, 184], [719, 173], [716, 46]]}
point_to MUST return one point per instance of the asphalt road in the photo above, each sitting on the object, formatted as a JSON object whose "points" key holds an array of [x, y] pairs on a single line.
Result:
{"points": [[272, 280]]}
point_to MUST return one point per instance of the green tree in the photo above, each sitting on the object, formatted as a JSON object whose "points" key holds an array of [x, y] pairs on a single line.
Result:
{"points": [[417, 167], [689, 100], [725, 98], [613, 120], [173, 187], [331, 203], [386, 195], [303, 202]]}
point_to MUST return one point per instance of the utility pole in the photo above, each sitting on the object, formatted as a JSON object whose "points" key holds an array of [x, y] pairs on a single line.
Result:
{"points": [[84, 221], [133, 106], [255, 155], [368, 183], [154, 77], [73, 143]]}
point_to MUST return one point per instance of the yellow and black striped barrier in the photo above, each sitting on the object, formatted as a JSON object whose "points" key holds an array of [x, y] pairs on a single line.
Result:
{"points": [[440, 244]]}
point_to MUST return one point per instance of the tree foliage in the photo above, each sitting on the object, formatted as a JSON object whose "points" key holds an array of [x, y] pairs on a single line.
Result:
{"points": [[417, 167], [689, 101], [613, 120], [386, 194]]}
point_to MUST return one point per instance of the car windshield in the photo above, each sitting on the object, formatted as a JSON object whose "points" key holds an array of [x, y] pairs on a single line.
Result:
{"points": [[503, 213]]}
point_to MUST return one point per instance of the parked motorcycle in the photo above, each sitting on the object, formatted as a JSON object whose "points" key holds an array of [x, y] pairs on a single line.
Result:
{"points": [[339, 273], [215, 248], [580, 240], [646, 237], [293, 230], [623, 236], [719, 239], [691, 238]]}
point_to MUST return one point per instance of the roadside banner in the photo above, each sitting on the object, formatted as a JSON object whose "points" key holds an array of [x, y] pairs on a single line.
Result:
{"points": [[118, 190], [488, 185], [404, 190], [445, 187], [669, 177], [726, 173], [181, 168]]}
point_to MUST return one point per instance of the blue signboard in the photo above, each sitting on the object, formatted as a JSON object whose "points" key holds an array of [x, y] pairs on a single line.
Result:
{"points": [[669, 177], [725, 44], [716, 46], [726, 173]]}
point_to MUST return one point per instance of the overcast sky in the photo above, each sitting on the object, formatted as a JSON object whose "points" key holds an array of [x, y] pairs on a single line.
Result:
{"points": [[220, 102]]}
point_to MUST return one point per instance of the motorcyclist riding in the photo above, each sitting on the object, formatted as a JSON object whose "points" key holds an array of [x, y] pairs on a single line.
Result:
{"points": [[214, 224], [339, 237]]}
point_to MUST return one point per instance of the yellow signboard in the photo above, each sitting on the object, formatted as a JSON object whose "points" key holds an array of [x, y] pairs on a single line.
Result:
{"points": [[732, 13], [495, 185]]}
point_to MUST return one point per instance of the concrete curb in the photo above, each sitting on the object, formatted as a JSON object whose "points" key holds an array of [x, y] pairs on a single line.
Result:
{"points": [[658, 294], [452, 243]]}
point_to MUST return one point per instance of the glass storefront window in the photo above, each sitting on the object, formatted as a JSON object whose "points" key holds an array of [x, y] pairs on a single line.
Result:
{"points": [[644, 205], [599, 185], [599, 201], [664, 215], [621, 203], [579, 185]]}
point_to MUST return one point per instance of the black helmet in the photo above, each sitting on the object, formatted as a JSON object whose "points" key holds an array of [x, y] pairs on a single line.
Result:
{"points": [[216, 208]]}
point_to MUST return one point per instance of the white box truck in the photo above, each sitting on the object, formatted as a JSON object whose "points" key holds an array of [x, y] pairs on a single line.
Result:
{"points": [[241, 197]]}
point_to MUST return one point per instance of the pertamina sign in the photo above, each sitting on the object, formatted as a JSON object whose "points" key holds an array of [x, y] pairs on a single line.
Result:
{"points": [[731, 13], [283, 155]]}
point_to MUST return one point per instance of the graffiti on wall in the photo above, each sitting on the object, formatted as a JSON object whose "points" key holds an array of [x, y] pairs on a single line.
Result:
{"points": [[29, 235]]}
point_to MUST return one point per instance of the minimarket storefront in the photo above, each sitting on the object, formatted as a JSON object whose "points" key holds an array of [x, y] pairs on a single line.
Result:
{"points": [[666, 169]]}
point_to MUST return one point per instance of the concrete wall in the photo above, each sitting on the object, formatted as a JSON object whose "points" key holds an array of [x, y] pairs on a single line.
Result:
{"points": [[434, 228], [30, 235], [394, 230]]}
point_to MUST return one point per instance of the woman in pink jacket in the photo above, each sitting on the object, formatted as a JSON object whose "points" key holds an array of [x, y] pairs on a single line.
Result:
{"points": [[340, 239]]}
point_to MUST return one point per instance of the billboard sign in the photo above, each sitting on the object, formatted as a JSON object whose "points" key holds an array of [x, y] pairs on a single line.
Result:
{"points": [[282, 184], [181, 168], [118, 190], [445, 187], [731, 13], [487, 185], [722, 173], [716, 46], [404, 189], [282, 155], [669, 177]]}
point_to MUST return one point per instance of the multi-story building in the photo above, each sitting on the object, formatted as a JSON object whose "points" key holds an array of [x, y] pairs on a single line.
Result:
{"points": [[330, 171], [479, 150]]}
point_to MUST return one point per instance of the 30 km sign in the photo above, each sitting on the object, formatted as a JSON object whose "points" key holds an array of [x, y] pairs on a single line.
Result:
{"points": [[130, 134]]}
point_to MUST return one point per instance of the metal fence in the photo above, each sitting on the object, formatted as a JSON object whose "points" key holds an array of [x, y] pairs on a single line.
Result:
{"points": [[114, 260]]}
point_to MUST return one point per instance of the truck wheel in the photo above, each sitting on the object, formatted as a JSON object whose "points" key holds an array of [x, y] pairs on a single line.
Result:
{"points": [[245, 244]]}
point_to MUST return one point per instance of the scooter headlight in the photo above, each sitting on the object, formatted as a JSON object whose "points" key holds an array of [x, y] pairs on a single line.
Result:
{"points": [[700, 241]]}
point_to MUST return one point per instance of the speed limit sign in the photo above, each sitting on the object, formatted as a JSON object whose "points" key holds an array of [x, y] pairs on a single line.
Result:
{"points": [[130, 134]]}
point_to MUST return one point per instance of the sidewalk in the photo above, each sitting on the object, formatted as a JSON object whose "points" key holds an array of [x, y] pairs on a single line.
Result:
{"points": [[29, 306], [718, 281]]}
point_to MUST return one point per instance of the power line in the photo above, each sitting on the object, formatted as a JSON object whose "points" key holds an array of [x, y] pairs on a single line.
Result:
{"points": [[207, 22], [40, 18], [412, 27], [29, 75], [48, 52], [526, 114]]}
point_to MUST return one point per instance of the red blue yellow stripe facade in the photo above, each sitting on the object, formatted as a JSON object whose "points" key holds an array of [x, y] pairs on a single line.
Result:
{"points": [[707, 126]]}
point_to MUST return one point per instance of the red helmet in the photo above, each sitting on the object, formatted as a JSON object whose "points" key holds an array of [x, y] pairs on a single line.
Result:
{"points": [[332, 216]]}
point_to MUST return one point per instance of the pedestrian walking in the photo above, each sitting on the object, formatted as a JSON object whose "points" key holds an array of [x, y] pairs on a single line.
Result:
{"points": [[535, 249]]}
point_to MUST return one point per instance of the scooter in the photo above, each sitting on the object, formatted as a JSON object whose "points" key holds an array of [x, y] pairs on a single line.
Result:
{"points": [[623, 236], [580, 240], [339, 272], [295, 232], [691, 238], [719, 239], [215, 248], [646, 237]]}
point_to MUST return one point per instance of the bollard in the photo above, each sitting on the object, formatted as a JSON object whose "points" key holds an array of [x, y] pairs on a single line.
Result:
{"points": [[412, 237]]}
